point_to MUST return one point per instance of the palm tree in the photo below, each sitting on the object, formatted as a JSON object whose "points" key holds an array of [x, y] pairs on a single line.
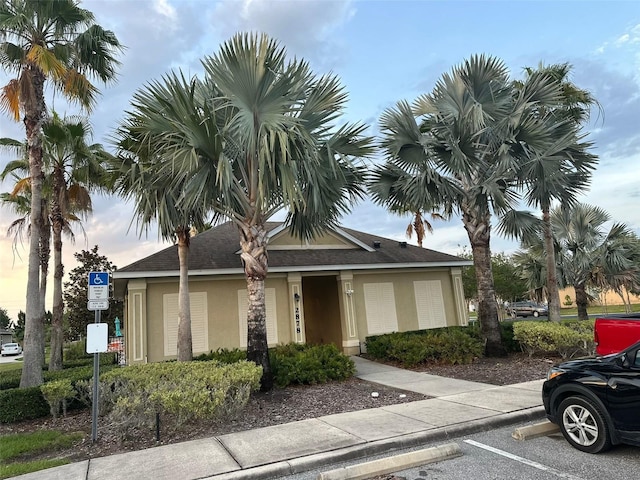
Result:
{"points": [[474, 128], [55, 41], [420, 225], [564, 170], [274, 120], [73, 168], [19, 200], [592, 256], [168, 123]]}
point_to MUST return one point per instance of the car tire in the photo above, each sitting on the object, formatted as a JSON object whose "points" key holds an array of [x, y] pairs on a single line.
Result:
{"points": [[583, 425], [536, 314]]}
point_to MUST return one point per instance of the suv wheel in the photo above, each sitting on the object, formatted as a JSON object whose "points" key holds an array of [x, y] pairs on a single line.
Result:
{"points": [[583, 425], [536, 314]]}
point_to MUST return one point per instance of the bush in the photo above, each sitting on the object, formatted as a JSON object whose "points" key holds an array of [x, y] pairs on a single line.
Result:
{"points": [[10, 379], [309, 364], [452, 345], [506, 334], [567, 339], [56, 394], [18, 404], [224, 355], [178, 391]]}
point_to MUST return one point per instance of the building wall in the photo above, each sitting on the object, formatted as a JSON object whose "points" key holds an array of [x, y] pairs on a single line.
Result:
{"points": [[607, 298]]}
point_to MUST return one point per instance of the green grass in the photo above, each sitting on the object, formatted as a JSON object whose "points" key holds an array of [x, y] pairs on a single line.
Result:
{"points": [[6, 367], [15, 469], [17, 446]]}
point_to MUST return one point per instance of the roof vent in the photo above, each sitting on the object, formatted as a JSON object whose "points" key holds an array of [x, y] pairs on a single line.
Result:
{"points": [[403, 244], [376, 244]]}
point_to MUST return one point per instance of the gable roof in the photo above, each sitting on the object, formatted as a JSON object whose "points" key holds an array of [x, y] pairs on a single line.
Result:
{"points": [[216, 251]]}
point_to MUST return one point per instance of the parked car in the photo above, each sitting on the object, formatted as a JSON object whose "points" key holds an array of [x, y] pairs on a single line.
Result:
{"points": [[596, 401], [11, 349], [527, 309]]}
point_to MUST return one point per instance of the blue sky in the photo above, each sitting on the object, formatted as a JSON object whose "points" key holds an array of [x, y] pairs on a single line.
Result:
{"points": [[383, 51]]}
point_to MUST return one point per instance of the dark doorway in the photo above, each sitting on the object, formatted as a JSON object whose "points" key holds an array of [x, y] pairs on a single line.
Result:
{"points": [[321, 310]]}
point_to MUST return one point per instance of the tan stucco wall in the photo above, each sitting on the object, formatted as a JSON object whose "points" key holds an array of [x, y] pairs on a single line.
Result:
{"points": [[222, 310], [403, 289]]}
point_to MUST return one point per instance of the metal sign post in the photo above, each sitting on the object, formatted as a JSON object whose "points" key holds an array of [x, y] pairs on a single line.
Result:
{"points": [[97, 336]]}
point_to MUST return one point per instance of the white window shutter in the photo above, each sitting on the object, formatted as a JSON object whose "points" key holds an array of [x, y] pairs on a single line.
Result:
{"points": [[380, 308], [429, 304]]}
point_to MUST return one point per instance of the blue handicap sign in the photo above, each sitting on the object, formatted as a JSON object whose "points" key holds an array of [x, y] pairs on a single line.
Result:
{"points": [[98, 279]]}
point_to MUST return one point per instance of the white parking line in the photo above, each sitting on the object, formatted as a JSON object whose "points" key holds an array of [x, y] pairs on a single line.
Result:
{"points": [[531, 463]]}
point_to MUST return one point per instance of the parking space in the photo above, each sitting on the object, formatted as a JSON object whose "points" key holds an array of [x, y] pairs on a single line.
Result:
{"points": [[496, 455]]}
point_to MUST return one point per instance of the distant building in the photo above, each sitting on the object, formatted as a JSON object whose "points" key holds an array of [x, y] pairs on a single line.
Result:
{"points": [[6, 336]]}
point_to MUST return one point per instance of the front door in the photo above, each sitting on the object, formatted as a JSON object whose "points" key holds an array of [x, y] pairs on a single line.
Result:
{"points": [[321, 310]]}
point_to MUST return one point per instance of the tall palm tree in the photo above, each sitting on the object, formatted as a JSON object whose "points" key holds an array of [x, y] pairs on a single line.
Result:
{"points": [[73, 168], [280, 150], [168, 122], [563, 171], [58, 42], [456, 149], [19, 200]]}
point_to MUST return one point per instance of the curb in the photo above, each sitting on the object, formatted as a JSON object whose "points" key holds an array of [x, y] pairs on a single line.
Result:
{"points": [[362, 471], [319, 460]]}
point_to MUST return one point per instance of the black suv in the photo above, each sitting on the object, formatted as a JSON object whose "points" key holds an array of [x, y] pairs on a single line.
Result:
{"points": [[596, 401], [527, 309]]}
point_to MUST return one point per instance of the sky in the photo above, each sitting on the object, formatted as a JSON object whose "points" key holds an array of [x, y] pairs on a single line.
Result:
{"points": [[383, 52]]}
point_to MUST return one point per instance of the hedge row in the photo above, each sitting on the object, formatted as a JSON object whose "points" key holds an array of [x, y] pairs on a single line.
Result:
{"points": [[453, 345], [31, 399], [296, 363], [180, 392], [567, 339]]}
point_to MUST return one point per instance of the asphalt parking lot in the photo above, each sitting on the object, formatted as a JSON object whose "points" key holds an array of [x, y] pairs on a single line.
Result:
{"points": [[496, 455], [10, 358]]}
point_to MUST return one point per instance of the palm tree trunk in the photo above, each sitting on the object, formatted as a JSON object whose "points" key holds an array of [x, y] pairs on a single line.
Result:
{"points": [[34, 321], [185, 342], [553, 292], [478, 226], [253, 242], [582, 301], [55, 357]]}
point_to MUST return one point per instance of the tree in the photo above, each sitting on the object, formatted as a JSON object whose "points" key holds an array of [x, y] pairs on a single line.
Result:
{"points": [[280, 151], [144, 148], [18, 327], [589, 255], [19, 200], [561, 172], [420, 225], [42, 41], [5, 321], [73, 168], [474, 128], [76, 292]]}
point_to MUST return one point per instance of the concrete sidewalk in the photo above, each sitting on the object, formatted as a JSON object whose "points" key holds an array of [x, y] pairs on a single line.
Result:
{"points": [[459, 407]]}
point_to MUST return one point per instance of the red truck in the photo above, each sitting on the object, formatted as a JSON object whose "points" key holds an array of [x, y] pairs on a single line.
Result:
{"points": [[614, 333]]}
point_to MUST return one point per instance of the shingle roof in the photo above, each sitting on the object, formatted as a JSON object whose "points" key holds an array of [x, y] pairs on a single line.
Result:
{"points": [[216, 250]]}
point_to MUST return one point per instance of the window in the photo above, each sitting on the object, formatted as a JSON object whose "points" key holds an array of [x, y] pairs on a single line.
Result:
{"points": [[429, 304], [199, 323], [380, 308]]}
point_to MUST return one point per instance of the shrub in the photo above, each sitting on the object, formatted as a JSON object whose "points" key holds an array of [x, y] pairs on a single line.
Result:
{"points": [[506, 334], [178, 391], [10, 379], [224, 355], [451, 345], [56, 394], [22, 404], [309, 364], [565, 339]]}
